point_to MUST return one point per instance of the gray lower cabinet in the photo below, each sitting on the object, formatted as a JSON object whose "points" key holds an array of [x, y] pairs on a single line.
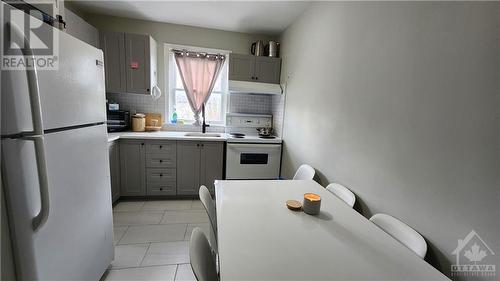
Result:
{"points": [[198, 163], [188, 167], [161, 168], [212, 164], [132, 168], [168, 168], [114, 169]]}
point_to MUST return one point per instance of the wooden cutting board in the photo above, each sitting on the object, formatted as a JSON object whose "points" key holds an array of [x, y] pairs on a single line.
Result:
{"points": [[151, 116]]}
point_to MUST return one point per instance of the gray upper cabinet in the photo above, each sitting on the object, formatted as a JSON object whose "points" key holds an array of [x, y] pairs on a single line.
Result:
{"points": [[267, 70], [113, 46], [114, 167], [254, 68], [130, 62], [188, 167], [132, 168], [241, 67], [212, 164]]}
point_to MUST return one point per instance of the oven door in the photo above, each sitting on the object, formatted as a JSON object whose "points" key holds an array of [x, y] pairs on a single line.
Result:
{"points": [[252, 161]]}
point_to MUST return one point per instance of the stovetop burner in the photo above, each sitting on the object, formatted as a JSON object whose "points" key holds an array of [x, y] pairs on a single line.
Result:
{"points": [[237, 135], [267, 137]]}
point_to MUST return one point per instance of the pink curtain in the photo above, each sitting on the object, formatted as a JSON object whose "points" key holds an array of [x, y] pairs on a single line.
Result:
{"points": [[199, 72]]}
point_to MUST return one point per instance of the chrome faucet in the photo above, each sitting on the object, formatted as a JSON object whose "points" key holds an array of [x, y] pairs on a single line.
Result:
{"points": [[204, 125]]}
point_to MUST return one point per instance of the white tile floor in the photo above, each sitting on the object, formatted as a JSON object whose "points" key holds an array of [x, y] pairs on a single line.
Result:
{"points": [[152, 239]]}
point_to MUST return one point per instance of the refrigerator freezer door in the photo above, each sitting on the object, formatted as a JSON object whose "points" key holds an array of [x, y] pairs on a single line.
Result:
{"points": [[70, 96], [76, 242]]}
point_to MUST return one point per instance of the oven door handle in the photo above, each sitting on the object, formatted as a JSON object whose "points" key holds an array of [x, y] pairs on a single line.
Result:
{"points": [[260, 146]]}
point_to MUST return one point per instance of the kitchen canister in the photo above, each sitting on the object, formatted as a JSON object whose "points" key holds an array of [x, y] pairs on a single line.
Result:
{"points": [[138, 122], [273, 49]]}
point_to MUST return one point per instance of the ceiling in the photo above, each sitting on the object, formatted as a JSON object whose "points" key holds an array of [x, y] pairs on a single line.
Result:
{"points": [[260, 17]]}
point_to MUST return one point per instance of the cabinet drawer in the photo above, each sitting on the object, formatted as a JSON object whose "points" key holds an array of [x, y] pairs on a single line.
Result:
{"points": [[165, 148], [161, 188], [160, 160], [160, 175]]}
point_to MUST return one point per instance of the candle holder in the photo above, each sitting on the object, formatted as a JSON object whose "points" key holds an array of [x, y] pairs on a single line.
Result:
{"points": [[312, 203]]}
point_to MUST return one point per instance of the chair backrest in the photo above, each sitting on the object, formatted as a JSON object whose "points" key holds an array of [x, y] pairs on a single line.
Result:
{"points": [[401, 232], [304, 172], [201, 257], [208, 203], [343, 193]]}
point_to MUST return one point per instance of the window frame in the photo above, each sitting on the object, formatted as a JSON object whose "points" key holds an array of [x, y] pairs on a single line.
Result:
{"points": [[171, 70]]}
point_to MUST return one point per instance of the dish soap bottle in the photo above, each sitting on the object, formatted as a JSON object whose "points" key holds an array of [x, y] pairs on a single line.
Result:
{"points": [[174, 117]]}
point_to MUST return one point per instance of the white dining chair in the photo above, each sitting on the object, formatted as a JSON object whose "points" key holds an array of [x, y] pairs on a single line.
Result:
{"points": [[209, 204], [343, 193], [201, 257], [401, 232], [304, 172]]}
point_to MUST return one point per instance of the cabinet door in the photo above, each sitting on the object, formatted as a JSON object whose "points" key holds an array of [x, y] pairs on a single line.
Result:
{"points": [[241, 67], [132, 169], [188, 167], [267, 70], [137, 63], [114, 163], [113, 46], [212, 164]]}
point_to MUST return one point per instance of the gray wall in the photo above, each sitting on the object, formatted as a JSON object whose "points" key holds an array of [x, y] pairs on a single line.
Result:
{"points": [[400, 102]]}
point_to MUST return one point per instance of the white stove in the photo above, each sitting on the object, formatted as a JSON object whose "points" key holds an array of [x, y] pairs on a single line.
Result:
{"points": [[242, 128], [248, 155]]}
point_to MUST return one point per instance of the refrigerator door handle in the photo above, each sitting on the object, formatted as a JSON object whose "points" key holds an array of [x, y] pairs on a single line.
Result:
{"points": [[32, 76], [40, 219], [36, 112]]}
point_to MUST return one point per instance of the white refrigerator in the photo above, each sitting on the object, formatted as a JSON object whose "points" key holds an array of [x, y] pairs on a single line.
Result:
{"points": [[55, 166]]}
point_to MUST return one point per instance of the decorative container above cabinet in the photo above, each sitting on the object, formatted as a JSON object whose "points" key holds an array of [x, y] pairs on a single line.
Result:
{"points": [[129, 62]]}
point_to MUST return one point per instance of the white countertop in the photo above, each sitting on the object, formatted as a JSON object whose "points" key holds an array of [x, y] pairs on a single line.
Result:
{"points": [[162, 135], [260, 239], [172, 135]]}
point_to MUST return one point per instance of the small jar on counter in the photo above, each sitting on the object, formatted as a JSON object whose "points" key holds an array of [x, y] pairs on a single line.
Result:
{"points": [[138, 122]]}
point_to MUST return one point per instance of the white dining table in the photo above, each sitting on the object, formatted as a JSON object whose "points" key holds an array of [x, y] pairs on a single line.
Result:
{"points": [[259, 238]]}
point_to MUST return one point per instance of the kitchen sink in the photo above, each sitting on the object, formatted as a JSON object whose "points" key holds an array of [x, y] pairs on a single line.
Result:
{"points": [[207, 135]]}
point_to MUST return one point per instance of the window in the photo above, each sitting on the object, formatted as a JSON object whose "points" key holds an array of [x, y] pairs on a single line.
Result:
{"points": [[215, 108]]}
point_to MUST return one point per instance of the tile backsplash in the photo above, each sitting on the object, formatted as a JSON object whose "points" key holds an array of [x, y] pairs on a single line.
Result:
{"points": [[237, 103], [139, 103], [250, 103]]}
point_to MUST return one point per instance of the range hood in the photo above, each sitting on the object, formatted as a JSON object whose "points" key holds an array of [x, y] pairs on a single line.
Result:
{"points": [[243, 87]]}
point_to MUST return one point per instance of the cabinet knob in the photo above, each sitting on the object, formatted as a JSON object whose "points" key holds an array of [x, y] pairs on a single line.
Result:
{"points": [[147, 90], [202, 145], [256, 78], [161, 188], [161, 175], [161, 146], [161, 161], [198, 144], [142, 143]]}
